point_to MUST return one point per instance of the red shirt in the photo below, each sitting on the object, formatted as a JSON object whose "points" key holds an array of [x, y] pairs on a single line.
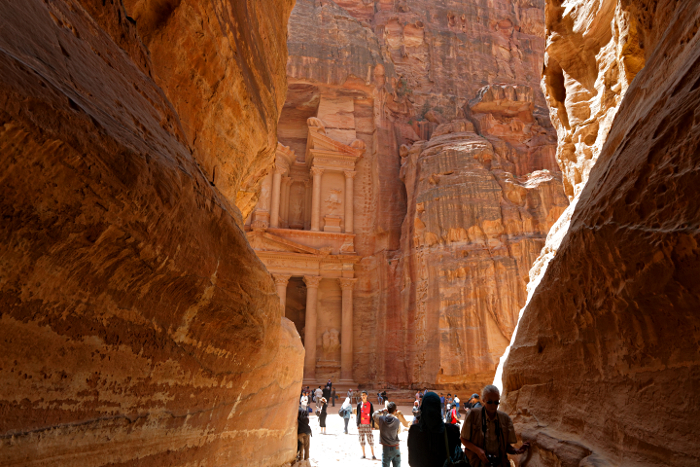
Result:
{"points": [[364, 414]]}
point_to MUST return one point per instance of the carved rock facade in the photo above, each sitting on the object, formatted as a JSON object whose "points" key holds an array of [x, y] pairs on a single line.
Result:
{"points": [[390, 74], [137, 327]]}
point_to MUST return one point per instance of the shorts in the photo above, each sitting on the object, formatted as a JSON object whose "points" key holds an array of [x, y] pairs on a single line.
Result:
{"points": [[366, 430]]}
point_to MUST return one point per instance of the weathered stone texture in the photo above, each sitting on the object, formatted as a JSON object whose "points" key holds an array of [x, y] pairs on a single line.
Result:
{"points": [[605, 365], [137, 327], [390, 73], [473, 228]]}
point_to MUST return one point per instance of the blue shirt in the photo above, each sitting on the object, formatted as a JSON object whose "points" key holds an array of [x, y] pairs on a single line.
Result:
{"points": [[442, 400]]}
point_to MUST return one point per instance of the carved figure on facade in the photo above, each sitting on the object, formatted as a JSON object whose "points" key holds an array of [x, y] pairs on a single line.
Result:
{"points": [[333, 202], [331, 341]]}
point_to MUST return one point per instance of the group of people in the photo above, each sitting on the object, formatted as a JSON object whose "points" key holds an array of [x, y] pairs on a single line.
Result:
{"points": [[487, 434], [308, 396]]}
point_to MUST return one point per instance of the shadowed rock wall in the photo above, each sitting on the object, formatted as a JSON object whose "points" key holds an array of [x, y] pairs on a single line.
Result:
{"points": [[137, 327], [605, 365]]}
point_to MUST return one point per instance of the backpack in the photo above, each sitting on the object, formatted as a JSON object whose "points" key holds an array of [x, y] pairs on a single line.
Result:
{"points": [[458, 458]]}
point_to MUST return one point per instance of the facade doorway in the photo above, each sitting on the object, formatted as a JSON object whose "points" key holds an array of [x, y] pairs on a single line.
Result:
{"points": [[295, 307]]}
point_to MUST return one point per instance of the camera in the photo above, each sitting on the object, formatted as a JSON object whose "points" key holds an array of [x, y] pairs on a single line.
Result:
{"points": [[494, 461]]}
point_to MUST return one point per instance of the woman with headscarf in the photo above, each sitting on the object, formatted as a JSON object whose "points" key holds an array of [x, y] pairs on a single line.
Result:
{"points": [[426, 440], [346, 412]]}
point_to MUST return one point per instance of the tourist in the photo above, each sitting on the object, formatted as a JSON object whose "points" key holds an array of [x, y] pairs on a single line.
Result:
{"points": [[333, 396], [379, 398], [456, 402], [416, 411], [318, 394], [426, 440], [385, 398], [451, 415], [474, 402], [418, 394], [326, 393], [488, 433], [448, 400], [350, 393], [389, 435], [322, 415], [329, 384], [365, 423], [303, 434], [442, 404], [304, 401], [346, 412]]}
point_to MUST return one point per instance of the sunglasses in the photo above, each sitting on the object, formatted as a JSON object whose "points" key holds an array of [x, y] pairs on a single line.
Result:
{"points": [[493, 402]]}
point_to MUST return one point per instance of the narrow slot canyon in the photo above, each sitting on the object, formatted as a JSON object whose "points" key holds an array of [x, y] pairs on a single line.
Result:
{"points": [[210, 207]]}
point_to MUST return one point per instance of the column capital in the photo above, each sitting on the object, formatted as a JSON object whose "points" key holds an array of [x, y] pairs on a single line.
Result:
{"points": [[349, 173], [280, 169], [312, 282], [347, 282], [317, 171], [281, 279]]}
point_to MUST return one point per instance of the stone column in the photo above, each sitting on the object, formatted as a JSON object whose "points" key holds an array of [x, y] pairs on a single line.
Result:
{"points": [[349, 195], [284, 203], [307, 204], [275, 198], [346, 334], [312, 283], [316, 199], [281, 281]]}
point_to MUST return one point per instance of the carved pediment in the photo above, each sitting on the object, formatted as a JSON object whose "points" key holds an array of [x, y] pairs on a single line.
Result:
{"points": [[265, 241], [319, 141]]}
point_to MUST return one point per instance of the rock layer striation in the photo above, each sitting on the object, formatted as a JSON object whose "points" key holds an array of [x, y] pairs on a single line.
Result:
{"points": [[605, 362], [137, 327], [392, 74]]}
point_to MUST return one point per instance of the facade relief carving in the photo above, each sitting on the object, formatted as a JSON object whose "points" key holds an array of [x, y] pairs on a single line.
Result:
{"points": [[331, 341], [300, 228]]}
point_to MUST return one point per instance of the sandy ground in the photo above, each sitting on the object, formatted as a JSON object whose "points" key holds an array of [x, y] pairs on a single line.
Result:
{"points": [[336, 449]]}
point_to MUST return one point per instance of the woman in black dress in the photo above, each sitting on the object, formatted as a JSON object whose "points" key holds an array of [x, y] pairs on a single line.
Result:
{"points": [[322, 415]]}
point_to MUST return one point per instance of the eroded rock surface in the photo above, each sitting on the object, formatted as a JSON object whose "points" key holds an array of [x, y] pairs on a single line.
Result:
{"points": [[390, 74], [605, 364], [137, 327], [475, 224]]}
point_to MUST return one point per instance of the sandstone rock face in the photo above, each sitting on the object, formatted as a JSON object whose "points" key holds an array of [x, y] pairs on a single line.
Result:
{"points": [[474, 226], [394, 73], [137, 327], [609, 337]]}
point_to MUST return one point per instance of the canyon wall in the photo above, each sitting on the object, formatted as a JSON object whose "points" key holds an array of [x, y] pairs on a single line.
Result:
{"points": [[605, 365], [137, 326], [474, 226], [390, 73]]}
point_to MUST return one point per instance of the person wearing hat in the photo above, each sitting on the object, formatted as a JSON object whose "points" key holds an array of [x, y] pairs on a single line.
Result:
{"points": [[322, 415], [474, 402]]}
